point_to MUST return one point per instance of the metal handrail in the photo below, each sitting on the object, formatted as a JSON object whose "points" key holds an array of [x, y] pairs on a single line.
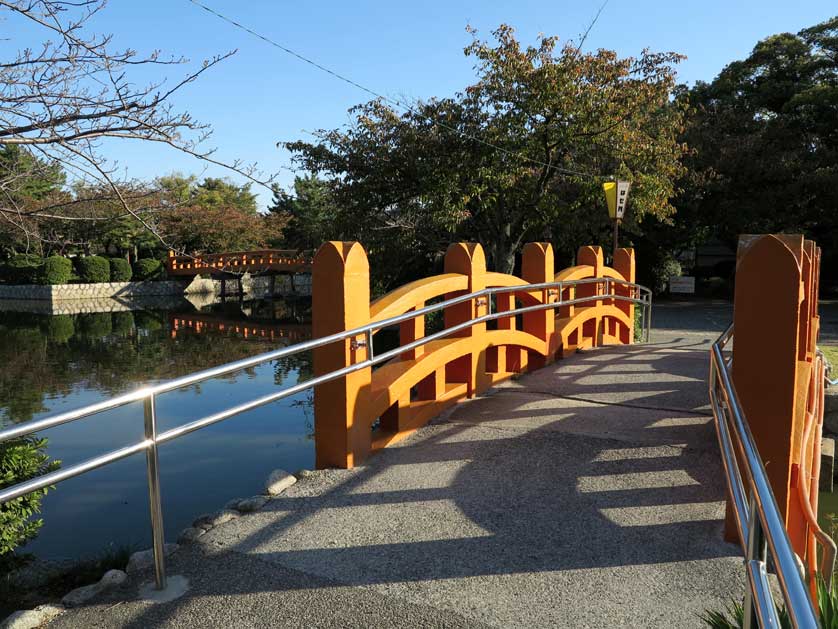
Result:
{"points": [[758, 520], [152, 438]]}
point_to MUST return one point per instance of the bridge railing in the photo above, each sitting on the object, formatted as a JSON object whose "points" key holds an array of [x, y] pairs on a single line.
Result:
{"points": [[563, 295], [768, 401], [759, 523], [238, 262], [533, 320]]}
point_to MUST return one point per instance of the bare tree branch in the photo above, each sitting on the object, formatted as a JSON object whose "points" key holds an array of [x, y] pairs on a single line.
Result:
{"points": [[62, 99]]}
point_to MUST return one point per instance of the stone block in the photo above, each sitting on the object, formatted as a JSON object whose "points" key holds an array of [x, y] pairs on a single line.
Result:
{"points": [[145, 558], [279, 481]]}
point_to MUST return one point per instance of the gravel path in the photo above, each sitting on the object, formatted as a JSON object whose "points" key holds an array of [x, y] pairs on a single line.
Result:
{"points": [[587, 494]]}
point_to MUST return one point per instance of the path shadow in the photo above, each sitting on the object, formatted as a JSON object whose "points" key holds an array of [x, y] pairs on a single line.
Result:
{"points": [[585, 475]]}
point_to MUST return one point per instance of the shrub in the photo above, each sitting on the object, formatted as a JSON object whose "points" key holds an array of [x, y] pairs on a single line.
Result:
{"points": [[123, 323], [20, 460], [147, 321], [60, 328], [656, 272], [23, 268], [56, 270], [148, 269], [120, 270], [93, 269], [96, 325]]}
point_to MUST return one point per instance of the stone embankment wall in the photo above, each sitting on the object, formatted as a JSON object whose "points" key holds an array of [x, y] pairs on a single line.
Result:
{"points": [[94, 305], [299, 284], [104, 290], [253, 286]]}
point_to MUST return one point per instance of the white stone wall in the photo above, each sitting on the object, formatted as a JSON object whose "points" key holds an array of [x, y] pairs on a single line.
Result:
{"points": [[105, 290], [253, 286]]}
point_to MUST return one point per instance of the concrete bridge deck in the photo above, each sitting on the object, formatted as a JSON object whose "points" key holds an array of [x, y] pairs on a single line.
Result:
{"points": [[587, 494]]}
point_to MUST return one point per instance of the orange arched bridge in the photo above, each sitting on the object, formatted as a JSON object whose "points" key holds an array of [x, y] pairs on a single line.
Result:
{"points": [[258, 262], [562, 475]]}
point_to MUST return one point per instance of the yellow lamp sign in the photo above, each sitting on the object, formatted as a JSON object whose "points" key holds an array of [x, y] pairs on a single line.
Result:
{"points": [[616, 193]]}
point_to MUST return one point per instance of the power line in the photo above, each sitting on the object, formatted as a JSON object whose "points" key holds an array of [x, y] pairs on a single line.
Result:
{"points": [[387, 99]]}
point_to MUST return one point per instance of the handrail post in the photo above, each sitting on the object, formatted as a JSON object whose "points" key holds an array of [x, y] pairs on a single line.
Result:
{"points": [[468, 259], [538, 267], [625, 265], [756, 551], [340, 302], [770, 360], [591, 256], [155, 503]]}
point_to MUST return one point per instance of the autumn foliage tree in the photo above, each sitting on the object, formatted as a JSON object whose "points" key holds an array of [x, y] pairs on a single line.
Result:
{"points": [[67, 94], [212, 216], [520, 154]]}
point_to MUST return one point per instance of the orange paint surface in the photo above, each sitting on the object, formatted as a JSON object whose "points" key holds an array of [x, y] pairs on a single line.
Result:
{"points": [[409, 390]]}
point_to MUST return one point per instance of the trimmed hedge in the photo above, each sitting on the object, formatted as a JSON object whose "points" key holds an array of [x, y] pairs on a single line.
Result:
{"points": [[148, 269], [56, 270], [93, 269], [120, 270], [60, 328], [96, 325], [122, 323], [23, 268]]}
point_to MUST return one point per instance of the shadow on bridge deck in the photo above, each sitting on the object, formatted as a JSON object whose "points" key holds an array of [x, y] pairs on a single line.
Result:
{"points": [[587, 494]]}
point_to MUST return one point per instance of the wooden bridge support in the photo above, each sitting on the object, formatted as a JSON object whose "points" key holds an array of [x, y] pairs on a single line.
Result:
{"points": [[776, 327]]}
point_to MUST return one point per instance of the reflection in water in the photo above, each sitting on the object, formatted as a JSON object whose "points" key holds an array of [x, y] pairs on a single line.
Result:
{"points": [[56, 363]]}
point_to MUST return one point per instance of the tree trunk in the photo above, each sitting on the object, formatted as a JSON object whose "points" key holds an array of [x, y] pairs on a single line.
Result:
{"points": [[503, 256]]}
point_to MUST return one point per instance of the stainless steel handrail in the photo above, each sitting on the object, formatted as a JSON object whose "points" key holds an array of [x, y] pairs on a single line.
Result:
{"points": [[152, 438], [757, 516]]}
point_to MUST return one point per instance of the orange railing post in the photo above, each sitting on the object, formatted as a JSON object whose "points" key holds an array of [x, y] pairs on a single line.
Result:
{"points": [[538, 267], [468, 259], [591, 256], [340, 301], [775, 327], [624, 264], [413, 385]]}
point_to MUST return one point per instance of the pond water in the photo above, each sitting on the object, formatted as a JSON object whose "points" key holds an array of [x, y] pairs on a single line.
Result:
{"points": [[59, 362]]}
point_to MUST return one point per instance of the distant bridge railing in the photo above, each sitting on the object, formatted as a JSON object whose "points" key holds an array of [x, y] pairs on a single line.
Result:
{"points": [[239, 262], [567, 296]]}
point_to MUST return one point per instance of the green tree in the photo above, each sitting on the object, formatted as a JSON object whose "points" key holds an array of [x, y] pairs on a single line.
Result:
{"points": [[20, 460], [765, 143], [520, 154], [27, 182], [310, 212], [212, 216], [222, 193]]}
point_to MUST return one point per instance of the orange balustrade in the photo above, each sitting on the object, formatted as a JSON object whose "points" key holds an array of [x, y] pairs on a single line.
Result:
{"points": [[369, 409], [236, 262], [779, 378], [196, 323]]}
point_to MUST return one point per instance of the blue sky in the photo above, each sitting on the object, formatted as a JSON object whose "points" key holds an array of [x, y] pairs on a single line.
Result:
{"points": [[403, 49]]}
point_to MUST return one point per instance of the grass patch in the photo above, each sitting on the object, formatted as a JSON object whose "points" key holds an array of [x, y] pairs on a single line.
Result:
{"points": [[830, 352]]}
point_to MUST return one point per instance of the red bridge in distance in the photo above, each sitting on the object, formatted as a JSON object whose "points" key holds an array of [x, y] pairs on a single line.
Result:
{"points": [[203, 323], [259, 262]]}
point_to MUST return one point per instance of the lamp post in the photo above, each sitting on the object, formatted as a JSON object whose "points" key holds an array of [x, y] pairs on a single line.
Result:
{"points": [[616, 194]]}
